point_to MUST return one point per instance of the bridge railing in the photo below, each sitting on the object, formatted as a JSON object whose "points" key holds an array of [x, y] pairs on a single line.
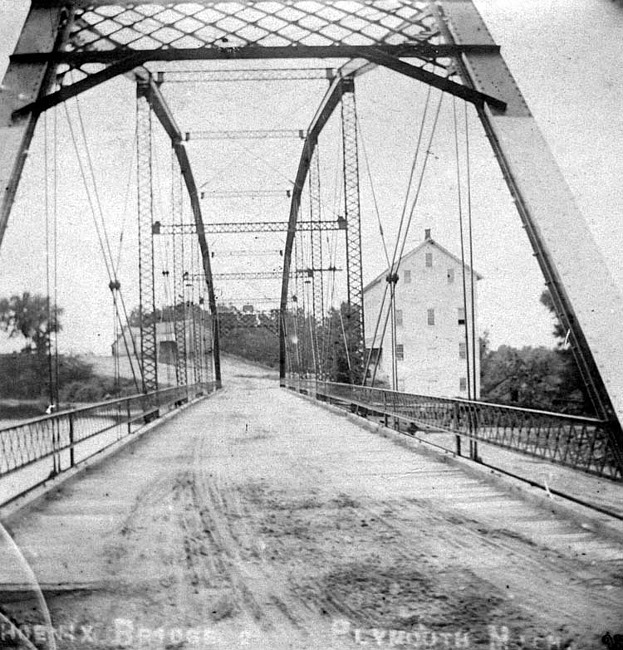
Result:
{"points": [[583, 443], [36, 450]]}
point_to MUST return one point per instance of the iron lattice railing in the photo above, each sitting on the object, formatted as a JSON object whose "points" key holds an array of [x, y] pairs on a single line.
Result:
{"points": [[582, 443], [36, 450]]}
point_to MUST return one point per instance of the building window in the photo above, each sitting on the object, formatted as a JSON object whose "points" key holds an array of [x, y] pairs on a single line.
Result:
{"points": [[407, 277], [450, 276], [400, 352], [431, 317], [461, 315], [398, 316], [462, 350], [375, 355], [429, 260], [463, 384]]}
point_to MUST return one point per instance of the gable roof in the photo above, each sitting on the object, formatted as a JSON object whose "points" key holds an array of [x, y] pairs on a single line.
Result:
{"points": [[413, 252]]}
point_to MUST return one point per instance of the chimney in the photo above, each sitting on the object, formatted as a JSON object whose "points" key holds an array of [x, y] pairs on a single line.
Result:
{"points": [[427, 233]]}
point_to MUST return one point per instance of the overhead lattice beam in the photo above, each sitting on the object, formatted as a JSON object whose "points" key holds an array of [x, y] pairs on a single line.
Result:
{"points": [[248, 226], [252, 74], [246, 134], [265, 275]]}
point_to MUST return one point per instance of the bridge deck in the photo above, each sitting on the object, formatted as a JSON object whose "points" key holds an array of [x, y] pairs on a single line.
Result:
{"points": [[256, 519]]}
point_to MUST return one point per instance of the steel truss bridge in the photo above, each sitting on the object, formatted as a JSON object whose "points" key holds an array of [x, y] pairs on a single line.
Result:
{"points": [[444, 44]]}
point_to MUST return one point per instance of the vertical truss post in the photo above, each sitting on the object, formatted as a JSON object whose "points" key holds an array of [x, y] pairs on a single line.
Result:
{"points": [[147, 293], [299, 312], [179, 302], [202, 342], [195, 341], [354, 273], [316, 255]]}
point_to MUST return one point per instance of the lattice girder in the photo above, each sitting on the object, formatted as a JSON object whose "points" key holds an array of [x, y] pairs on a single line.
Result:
{"points": [[104, 25], [352, 213], [147, 296]]}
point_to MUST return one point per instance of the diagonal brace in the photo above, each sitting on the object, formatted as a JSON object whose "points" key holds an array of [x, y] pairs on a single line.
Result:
{"points": [[443, 83]]}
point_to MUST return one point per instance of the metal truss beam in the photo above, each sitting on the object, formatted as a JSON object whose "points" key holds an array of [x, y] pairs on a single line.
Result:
{"points": [[249, 253], [147, 294], [265, 275], [44, 31], [235, 194], [250, 134], [164, 115], [352, 212], [466, 93], [253, 52], [328, 104], [179, 299], [118, 65], [587, 301], [249, 74], [315, 211], [247, 226]]}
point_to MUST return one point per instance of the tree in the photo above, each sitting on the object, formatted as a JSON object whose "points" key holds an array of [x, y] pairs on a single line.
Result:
{"points": [[344, 362], [31, 316], [572, 386], [527, 377]]}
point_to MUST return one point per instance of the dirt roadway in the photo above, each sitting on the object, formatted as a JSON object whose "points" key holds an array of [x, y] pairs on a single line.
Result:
{"points": [[258, 520]]}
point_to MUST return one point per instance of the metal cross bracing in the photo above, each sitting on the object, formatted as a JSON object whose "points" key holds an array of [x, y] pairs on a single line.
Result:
{"points": [[266, 275], [125, 35], [147, 295], [236, 194], [246, 134], [252, 74], [276, 252], [230, 27], [247, 226]]}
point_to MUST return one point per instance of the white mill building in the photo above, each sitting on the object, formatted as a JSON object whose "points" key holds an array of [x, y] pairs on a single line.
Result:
{"points": [[432, 348]]}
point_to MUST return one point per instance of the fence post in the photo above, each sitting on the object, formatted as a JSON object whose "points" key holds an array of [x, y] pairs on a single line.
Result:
{"points": [[129, 411], [455, 426], [385, 418], [71, 439]]}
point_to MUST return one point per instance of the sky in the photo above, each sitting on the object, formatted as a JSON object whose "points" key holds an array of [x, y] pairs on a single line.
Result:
{"points": [[564, 54]]}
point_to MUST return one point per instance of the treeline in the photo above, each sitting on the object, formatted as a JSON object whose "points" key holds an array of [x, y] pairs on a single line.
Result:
{"points": [[250, 334], [38, 373], [329, 345], [541, 378]]}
